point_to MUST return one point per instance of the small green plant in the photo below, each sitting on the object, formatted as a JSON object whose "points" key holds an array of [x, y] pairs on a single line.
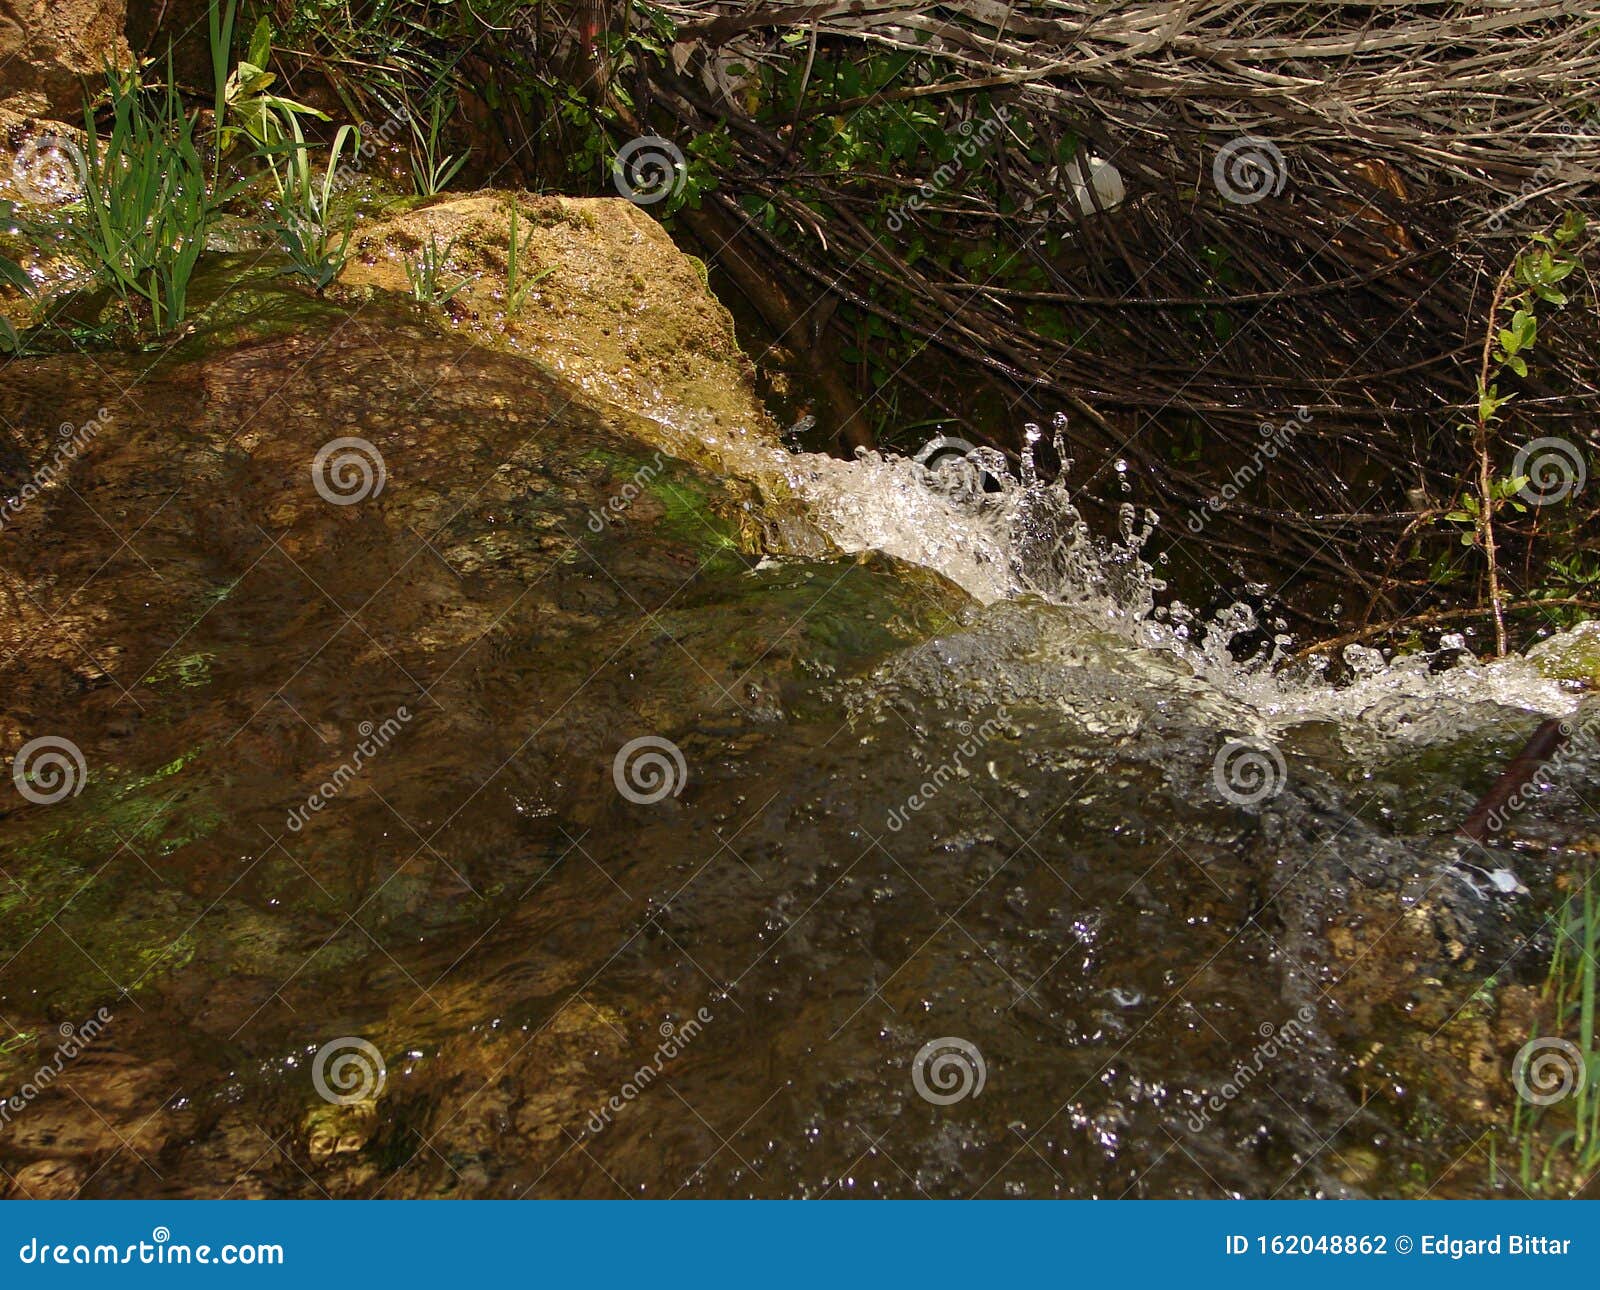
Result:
{"points": [[431, 169], [140, 225], [1557, 1138], [518, 281], [317, 244], [1531, 279], [17, 1042], [426, 274], [245, 108], [1503, 490]]}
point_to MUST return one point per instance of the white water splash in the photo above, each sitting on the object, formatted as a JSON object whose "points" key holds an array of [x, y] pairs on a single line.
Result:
{"points": [[1021, 538]]}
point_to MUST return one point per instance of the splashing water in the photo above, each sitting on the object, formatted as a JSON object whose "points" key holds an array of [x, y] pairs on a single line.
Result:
{"points": [[1007, 537]]}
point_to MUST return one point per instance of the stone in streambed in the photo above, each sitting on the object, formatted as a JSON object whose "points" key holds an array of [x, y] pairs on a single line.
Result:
{"points": [[1571, 655]]}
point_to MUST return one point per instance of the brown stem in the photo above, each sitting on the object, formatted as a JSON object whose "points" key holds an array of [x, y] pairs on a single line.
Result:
{"points": [[1480, 443], [1542, 745]]}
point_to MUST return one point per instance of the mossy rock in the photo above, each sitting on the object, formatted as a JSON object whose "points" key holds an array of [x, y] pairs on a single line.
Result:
{"points": [[620, 310], [534, 582], [1572, 655]]}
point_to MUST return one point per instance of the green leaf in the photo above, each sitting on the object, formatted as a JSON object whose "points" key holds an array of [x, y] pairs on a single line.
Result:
{"points": [[247, 81], [261, 42], [1517, 364], [281, 104]]}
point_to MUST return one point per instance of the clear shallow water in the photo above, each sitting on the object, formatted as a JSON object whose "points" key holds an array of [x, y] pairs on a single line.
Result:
{"points": [[902, 816]]}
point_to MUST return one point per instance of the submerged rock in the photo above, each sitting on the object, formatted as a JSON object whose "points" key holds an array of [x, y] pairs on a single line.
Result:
{"points": [[48, 1180], [337, 629], [375, 694], [340, 1129]]}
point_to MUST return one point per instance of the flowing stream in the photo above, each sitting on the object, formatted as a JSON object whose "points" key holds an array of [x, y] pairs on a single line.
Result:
{"points": [[1028, 889]]}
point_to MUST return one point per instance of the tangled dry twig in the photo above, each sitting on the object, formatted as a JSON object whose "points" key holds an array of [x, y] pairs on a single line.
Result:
{"points": [[1417, 143]]}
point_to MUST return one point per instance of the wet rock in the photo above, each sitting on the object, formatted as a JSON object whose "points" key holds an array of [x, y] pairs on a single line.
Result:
{"points": [[1358, 1166], [47, 47], [48, 1180], [1571, 655], [352, 627], [1520, 1016], [344, 734], [341, 1129], [103, 1102], [39, 170]]}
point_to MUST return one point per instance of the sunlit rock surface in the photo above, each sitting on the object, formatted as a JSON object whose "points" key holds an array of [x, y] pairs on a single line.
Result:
{"points": [[610, 303], [48, 47]]}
